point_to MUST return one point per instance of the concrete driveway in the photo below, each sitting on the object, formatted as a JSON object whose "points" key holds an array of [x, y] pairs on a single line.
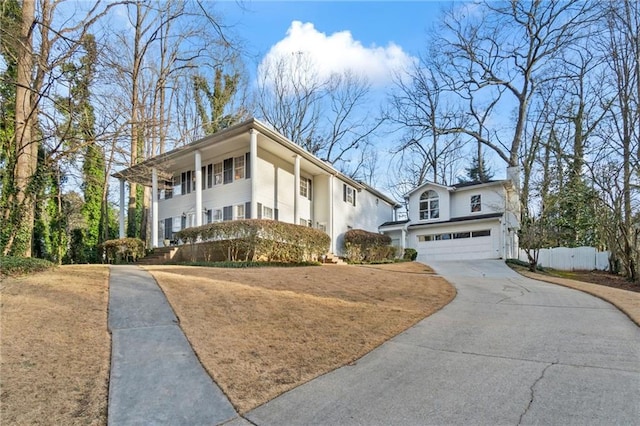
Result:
{"points": [[508, 350]]}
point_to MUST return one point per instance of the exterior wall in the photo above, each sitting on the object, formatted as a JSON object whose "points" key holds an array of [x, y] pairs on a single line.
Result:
{"points": [[368, 213], [492, 201], [414, 204]]}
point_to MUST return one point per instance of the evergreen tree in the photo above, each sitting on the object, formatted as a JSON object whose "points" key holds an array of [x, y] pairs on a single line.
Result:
{"points": [[478, 171]]}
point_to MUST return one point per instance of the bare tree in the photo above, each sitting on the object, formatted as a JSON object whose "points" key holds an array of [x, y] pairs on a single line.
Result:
{"points": [[507, 49], [418, 105], [321, 114]]}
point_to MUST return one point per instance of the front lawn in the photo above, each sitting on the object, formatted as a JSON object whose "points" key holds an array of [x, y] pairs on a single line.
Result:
{"points": [[260, 332], [55, 347]]}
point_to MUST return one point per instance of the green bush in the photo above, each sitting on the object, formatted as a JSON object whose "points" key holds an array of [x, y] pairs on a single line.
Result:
{"points": [[369, 247], [265, 240], [410, 254], [123, 250], [14, 266]]}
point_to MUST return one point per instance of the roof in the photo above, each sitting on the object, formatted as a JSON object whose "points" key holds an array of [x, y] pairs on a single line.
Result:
{"points": [[141, 172], [453, 188], [458, 219], [394, 223]]}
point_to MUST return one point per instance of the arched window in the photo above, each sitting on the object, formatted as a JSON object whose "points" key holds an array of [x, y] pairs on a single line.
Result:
{"points": [[429, 205]]}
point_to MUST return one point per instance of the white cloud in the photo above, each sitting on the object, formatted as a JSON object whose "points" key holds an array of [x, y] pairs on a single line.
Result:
{"points": [[339, 52]]}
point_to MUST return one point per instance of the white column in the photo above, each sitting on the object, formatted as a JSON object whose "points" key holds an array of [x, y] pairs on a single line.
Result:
{"points": [[403, 241], [253, 167], [296, 189], [122, 207], [154, 207], [198, 188], [332, 247]]}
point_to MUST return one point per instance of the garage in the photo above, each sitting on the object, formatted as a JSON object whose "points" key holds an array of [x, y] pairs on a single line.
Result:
{"points": [[462, 241]]}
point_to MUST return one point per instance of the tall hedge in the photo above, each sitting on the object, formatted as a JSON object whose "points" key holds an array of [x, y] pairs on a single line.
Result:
{"points": [[123, 250], [256, 239], [364, 246]]}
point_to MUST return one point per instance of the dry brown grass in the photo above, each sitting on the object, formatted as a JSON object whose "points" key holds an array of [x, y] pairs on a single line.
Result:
{"points": [[260, 332], [55, 347]]}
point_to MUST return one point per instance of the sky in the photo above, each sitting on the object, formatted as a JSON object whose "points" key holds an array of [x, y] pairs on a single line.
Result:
{"points": [[372, 37]]}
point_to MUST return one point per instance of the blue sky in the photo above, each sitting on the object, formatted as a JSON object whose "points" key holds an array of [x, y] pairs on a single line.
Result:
{"points": [[371, 25], [264, 23]]}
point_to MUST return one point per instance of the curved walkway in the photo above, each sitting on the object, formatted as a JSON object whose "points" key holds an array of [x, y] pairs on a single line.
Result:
{"points": [[156, 378], [508, 350]]}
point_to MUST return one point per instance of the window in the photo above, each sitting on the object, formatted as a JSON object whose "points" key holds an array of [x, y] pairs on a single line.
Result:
{"points": [[483, 233], [348, 194], [203, 178], [186, 182], [476, 203], [238, 163], [209, 176], [216, 216], [267, 212], [423, 238], [429, 205], [305, 222], [440, 237], [239, 211], [459, 235], [217, 174], [208, 216], [227, 213], [305, 187], [228, 170], [168, 189]]}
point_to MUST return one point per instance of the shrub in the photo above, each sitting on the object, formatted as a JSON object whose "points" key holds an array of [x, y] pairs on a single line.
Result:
{"points": [[14, 266], [257, 239], [410, 254], [123, 250], [364, 246]]}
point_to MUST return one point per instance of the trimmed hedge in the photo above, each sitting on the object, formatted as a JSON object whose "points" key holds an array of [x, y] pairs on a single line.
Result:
{"points": [[410, 254], [364, 246], [15, 266], [123, 250], [258, 239]]}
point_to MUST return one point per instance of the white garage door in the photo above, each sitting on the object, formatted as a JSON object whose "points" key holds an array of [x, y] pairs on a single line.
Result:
{"points": [[472, 244]]}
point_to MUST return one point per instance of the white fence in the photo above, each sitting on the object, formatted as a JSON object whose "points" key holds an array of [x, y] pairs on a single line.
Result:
{"points": [[571, 259]]}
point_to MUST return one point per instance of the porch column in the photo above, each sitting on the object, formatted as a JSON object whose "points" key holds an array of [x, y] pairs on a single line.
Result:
{"points": [[154, 207], [403, 241], [253, 166], [296, 189], [122, 207], [198, 188], [332, 247]]}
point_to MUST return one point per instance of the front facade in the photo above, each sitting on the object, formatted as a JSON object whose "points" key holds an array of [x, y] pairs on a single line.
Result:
{"points": [[465, 221], [249, 171]]}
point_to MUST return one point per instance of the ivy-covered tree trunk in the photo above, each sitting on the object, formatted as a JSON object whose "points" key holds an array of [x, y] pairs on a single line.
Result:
{"points": [[22, 203]]}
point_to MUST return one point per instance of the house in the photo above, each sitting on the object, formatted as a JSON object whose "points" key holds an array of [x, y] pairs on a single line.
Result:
{"points": [[466, 221], [249, 171]]}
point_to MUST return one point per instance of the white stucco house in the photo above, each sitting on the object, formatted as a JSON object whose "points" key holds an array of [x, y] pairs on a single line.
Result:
{"points": [[249, 171], [464, 221]]}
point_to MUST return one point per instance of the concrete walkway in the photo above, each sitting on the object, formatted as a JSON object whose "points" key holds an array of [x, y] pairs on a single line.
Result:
{"points": [[507, 351], [156, 378]]}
